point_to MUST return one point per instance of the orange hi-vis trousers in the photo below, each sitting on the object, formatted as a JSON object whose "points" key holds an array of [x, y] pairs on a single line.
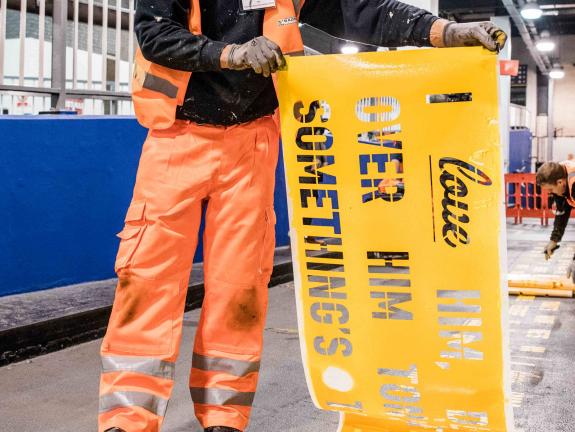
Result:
{"points": [[232, 170]]}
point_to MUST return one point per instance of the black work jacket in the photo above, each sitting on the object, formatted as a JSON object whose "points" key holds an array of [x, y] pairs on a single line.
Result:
{"points": [[224, 97], [562, 216]]}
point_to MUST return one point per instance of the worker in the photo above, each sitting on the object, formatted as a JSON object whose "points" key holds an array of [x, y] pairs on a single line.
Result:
{"points": [[558, 179], [203, 87]]}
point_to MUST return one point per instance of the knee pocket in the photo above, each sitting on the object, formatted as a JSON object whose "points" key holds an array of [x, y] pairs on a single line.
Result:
{"points": [[153, 249], [131, 235]]}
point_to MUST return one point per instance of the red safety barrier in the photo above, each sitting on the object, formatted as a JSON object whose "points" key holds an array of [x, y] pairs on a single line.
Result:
{"points": [[524, 199]]}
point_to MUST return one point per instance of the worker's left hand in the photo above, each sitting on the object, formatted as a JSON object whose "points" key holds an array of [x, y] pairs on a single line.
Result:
{"points": [[571, 271], [484, 34], [550, 249]]}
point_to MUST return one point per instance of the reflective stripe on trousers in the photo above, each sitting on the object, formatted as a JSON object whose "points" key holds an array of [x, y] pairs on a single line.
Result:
{"points": [[216, 396], [123, 399], [219, 364], [146, 366]]}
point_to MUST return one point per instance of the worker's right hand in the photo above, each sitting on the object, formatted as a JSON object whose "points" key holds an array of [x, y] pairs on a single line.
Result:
{"points": [[260, 54], [549, 249]]}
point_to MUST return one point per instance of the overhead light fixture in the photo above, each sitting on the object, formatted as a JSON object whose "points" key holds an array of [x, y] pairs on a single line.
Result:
{"points": [[557, 72], [545, 43], [349, 49], [531, 10]]}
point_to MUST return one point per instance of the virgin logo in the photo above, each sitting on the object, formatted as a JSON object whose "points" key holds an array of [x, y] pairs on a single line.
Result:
{"points": [[454, 179]]}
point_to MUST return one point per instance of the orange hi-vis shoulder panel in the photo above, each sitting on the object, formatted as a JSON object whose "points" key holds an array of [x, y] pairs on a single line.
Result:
{"points": [[157, 91], [281, 25], [570, 167]]}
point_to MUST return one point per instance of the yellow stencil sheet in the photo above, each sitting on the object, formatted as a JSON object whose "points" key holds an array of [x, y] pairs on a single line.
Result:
{"points": [[402, 317]]}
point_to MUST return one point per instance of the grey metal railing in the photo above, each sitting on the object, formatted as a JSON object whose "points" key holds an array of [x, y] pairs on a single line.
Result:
{"points": [[66, 55]]}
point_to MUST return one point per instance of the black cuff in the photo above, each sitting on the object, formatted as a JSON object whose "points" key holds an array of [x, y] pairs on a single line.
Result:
{"points": [[211, 54], [422, 30]]}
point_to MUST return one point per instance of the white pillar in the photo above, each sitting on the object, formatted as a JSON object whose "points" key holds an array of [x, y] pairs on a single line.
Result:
{"points": [[504, 91], [550, 124], [430, 5]]}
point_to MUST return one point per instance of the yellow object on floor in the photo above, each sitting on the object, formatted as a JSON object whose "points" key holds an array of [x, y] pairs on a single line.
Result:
{"points": [[394, 159], [541, 292], [544, 286]]}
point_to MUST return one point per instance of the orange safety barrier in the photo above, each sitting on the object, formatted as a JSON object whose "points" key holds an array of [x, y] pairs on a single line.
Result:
{"points": [[524, 198]]}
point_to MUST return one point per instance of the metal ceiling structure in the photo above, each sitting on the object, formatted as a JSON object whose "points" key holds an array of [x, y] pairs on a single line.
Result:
{"points": [[558, 19], [558, 15]]}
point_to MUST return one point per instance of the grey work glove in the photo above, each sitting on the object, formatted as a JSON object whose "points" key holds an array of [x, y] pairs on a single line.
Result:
{"points": [[484, 34], [260, 54], [571, 271], [551, 247]]}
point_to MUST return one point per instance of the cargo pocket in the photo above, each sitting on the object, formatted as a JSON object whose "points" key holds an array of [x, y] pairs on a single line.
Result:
{"points": [[131, 235], [268, 245]]}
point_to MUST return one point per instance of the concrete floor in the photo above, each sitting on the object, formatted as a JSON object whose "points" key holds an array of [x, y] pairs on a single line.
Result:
{"points": [[542, 335], [58, 392], [66, 382], [542, 353]]}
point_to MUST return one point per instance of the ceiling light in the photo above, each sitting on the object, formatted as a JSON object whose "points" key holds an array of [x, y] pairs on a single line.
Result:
{"points": [[531, 11], [545, 43], [349, 49], [557, 72]]}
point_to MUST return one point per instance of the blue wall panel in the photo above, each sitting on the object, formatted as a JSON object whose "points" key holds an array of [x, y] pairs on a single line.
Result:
{"points": [[280, 203], [66, 184]]}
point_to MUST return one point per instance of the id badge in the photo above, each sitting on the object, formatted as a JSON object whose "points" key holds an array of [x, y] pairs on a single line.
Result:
{"points": [[248, 5]]}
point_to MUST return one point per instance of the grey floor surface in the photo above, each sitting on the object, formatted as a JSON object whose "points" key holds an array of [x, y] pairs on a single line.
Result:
{"points": [[58, 392]]}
